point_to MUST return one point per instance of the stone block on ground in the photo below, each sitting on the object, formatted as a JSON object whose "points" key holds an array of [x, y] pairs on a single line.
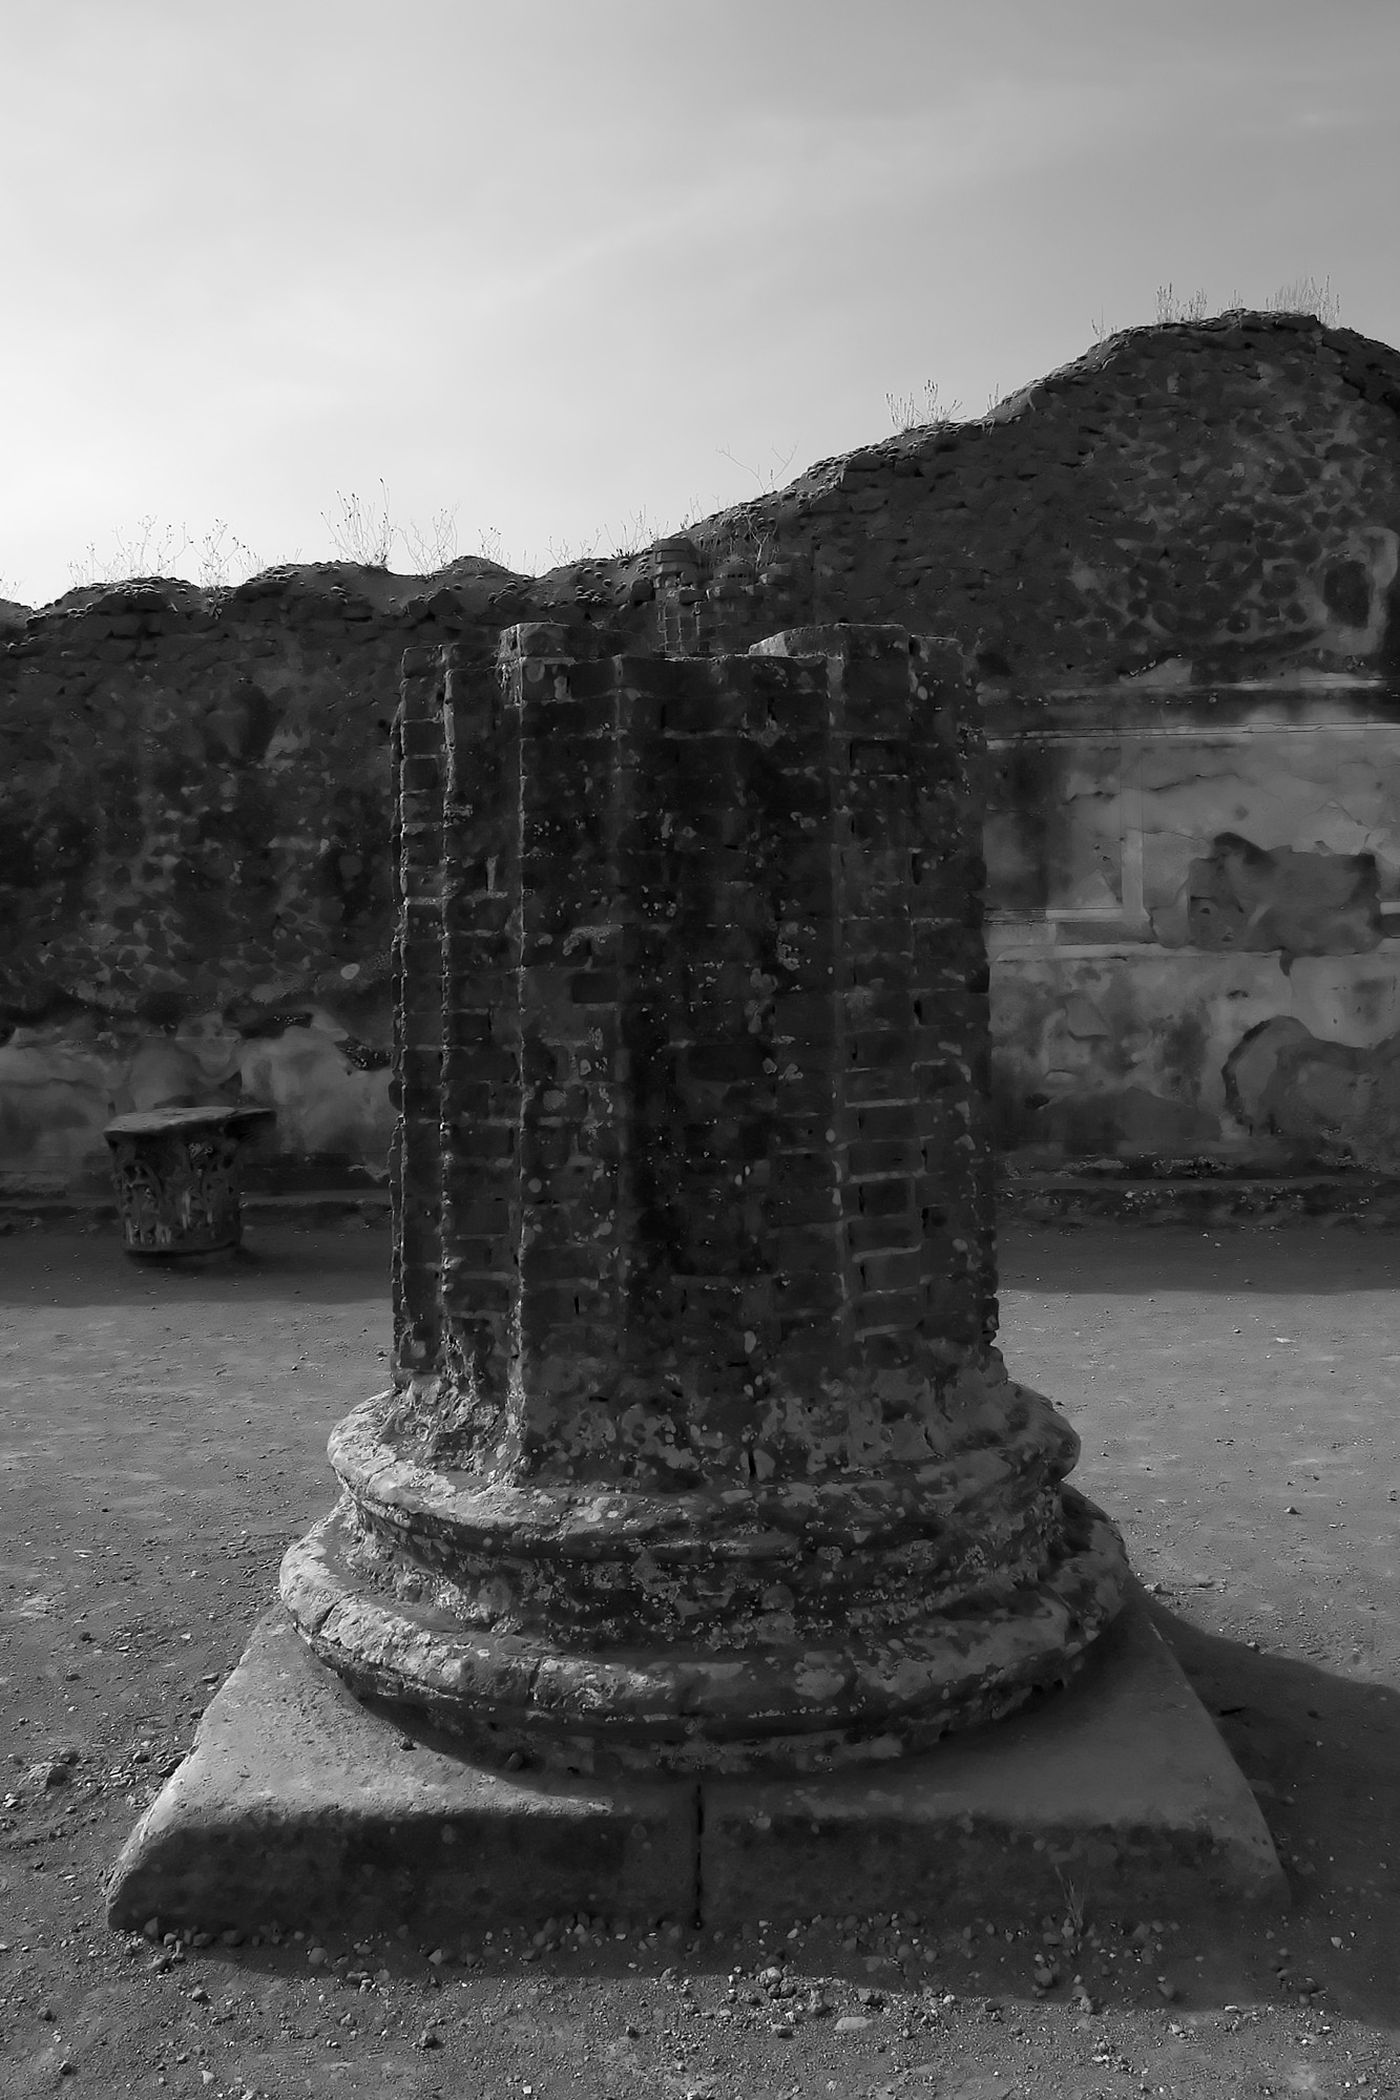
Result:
{"points": [[1119, 1788], [300, 1806]]}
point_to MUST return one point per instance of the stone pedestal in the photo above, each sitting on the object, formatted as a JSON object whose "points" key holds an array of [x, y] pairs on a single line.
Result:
{"points": [[701, 1503], [698, 1456], [177, 1177], [300, 1805]]}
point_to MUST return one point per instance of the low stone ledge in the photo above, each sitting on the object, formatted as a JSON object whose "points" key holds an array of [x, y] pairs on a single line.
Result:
{"points": [[1051, 1198]]}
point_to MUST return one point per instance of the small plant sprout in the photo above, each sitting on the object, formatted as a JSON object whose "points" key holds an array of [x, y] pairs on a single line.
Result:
{"points": [[1305, 295], [922, 411], [224, 558], [767, 477], [432, 546], [638, 532], [148, 549], [563, 553], [1074, 1896], [748, 543], [1171, 306], [362, 531]]}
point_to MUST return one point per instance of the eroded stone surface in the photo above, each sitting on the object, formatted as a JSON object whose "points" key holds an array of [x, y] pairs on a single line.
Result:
{"points": [[177, 1177], [300, 1803], [1340, 1100], [698, 1451]]}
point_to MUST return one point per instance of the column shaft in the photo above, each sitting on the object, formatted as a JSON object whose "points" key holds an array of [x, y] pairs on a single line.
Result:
{"points": [[699, 1451]]}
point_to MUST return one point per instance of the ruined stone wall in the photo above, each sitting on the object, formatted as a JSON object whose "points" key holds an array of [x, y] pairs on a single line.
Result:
{"points": [[194, 874], [1190, 676], [1223, 494], [1174, 883], [1172, 568], [196, 877]]}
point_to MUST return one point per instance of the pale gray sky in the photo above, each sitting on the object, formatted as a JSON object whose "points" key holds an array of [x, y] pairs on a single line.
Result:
{"points": [[548, 262]]}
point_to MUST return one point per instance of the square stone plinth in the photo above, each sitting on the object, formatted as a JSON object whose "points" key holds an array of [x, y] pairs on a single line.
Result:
{"points": [[300, 1805], [1120, 1788]]}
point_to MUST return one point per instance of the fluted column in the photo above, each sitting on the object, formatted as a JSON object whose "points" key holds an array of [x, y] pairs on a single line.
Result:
{"points": [[699, 1454]]}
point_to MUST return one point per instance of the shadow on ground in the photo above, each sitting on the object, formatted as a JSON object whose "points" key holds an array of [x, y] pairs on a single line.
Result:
{"points": [[93, 1268], [1235, 1394], [1321, 1752], [1298, 1257]]}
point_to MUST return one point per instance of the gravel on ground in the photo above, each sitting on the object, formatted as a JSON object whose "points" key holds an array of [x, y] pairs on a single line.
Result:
{"points": [[162, 1437]]}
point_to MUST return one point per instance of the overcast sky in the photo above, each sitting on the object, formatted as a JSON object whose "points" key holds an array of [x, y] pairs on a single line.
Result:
{"points": [[550, 264]]}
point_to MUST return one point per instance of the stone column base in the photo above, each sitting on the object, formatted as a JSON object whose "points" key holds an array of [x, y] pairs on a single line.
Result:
{"points": [[793, 1625], [299, 1805], [691, 1708]]}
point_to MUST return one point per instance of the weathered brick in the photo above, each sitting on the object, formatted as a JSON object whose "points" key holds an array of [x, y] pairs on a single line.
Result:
{"points": [[694, 1204]]}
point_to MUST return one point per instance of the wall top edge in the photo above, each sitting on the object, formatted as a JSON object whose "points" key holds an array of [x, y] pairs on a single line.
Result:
{"points": [[1197, 731], [1012, 949]]}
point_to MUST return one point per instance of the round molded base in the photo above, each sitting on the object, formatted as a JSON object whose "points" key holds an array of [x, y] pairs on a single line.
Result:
{"points": [[799, 1705]]}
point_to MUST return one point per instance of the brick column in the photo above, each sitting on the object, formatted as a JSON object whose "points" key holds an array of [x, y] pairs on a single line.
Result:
{"points": [[710, 1461], [416, 1164]]}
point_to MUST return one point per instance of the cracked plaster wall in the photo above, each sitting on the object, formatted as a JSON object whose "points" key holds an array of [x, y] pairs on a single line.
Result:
{"points": [[1192, 890], [1191, 533]]}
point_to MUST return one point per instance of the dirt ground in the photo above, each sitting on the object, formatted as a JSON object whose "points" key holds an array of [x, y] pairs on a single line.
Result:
{"points": [[162, 1434]]}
